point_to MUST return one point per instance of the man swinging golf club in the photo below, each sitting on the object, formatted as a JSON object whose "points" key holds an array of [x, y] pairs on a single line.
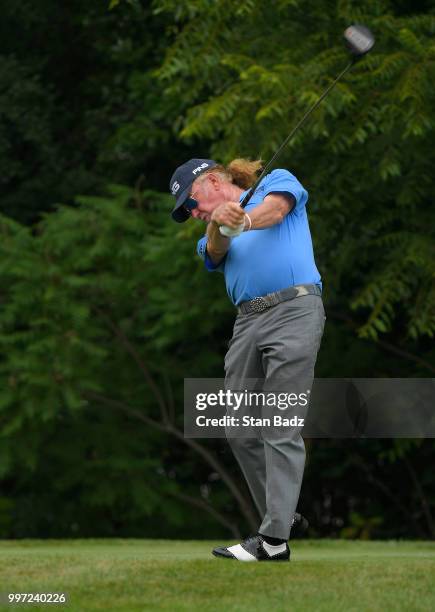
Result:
{"points": [[258, 235], [268, 254]]}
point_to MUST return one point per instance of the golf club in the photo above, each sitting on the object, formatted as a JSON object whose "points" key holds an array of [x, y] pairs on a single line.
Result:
{"points": [[359, 41]]}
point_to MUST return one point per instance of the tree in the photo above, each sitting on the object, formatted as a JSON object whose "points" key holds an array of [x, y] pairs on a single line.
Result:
{"points": [[365, 155], [95, 340], [79, 104]]}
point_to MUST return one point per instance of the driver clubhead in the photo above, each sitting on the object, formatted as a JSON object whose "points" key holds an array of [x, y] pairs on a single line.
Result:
{"points": [[359, 39]]}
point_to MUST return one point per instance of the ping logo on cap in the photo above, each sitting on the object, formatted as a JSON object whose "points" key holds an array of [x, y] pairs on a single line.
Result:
{"points": [[175, 187], [199, 168]]}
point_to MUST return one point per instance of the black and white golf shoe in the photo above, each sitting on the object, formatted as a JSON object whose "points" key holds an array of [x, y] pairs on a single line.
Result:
{"points": [[254, 549]]}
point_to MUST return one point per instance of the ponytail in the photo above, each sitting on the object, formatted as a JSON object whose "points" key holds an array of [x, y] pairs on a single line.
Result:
{"points": [[240, 172]]}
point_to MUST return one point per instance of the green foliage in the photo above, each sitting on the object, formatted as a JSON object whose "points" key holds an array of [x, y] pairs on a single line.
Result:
{"points": [[361, 527], [105, 308], [102, 308], [79, 105], [366, 155]]}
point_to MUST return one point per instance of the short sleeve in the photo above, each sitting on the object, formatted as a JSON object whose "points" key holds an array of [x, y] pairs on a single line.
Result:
{"points": [[201, 250], [283, 181]]}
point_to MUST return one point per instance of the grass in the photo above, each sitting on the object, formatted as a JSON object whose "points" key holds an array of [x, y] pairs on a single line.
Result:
{"points": [[133, 575]]}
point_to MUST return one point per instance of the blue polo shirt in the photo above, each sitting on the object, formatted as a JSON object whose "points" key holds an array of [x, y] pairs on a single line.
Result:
{"points": [[266, 260]]}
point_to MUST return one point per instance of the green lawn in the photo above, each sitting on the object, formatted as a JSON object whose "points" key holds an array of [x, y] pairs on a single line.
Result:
{"points": [[136, 575]]}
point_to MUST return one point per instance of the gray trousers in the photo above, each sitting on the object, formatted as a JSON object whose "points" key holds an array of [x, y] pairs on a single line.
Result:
{"points": [[278, 344]]}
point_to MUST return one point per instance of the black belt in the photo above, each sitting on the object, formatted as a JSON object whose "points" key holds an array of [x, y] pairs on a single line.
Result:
{"points": [[259, 304]]}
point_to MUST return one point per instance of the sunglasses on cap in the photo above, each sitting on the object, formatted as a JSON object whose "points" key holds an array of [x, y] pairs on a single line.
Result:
{"points": [[190, 203]]}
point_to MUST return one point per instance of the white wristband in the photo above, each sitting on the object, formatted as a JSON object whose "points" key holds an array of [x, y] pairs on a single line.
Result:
{"points": [[250, 222]]}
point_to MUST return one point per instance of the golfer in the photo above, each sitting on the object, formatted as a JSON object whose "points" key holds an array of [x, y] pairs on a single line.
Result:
{"points": [[272, 279]]}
